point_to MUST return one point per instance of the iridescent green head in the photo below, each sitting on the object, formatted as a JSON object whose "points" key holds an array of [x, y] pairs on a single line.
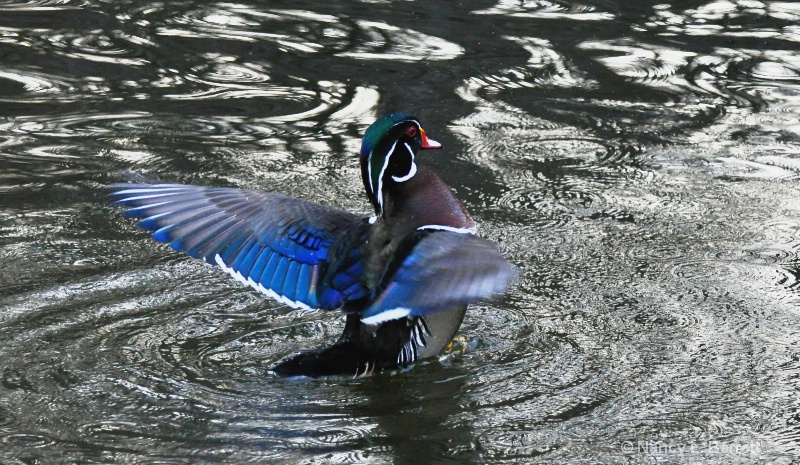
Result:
{"points": [[388, 150]]}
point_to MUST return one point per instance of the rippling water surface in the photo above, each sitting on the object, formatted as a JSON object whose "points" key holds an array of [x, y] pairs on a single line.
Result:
{"points": [[638, 161]]}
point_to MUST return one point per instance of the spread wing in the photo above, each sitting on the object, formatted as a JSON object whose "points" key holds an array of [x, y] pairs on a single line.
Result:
{"points": [[442, 269], [279, 245]]}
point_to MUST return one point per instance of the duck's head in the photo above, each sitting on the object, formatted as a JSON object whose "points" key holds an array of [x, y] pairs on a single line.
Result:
{"points": [[387, 154]]}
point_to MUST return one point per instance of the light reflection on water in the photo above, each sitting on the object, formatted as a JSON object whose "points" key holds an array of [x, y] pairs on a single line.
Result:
{"points": [[638, 162]]}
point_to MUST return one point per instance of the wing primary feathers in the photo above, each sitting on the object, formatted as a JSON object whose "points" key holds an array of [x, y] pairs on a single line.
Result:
{"points": [[442, 269], [308, 254]]}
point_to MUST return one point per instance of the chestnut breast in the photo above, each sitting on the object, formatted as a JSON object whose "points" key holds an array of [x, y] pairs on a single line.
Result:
{"points": [[424, 200]]}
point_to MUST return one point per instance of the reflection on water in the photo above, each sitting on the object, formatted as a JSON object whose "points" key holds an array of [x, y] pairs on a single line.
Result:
{"points": [[639, 162]]}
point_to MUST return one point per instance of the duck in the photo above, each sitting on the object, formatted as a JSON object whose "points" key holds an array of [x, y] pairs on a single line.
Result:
{"points": [[402, 276]]}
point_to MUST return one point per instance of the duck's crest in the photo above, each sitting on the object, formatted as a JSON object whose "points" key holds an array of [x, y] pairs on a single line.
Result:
{"points": [[379, 129]]}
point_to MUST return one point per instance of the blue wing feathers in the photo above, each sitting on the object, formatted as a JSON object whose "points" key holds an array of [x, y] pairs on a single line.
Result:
{"points": [[241, 254], [270, 240], [143, 199], [307, 284], [182, 225], [244, 263], [202, 242], [154, 198], [304, 285], [311, 255], [228, 251], [331, 298], [342, 280], [165, 206], [176, 245], [288, 247], [163, 235], [276, 283], [149, 210], [269, 269], [290, 283], [190, 230], [150, 223], [355, 291], [441, 270], [260, 263], [211, 246]]}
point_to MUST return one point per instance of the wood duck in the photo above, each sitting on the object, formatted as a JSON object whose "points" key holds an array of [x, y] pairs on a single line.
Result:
{"points": [[402, 277]]}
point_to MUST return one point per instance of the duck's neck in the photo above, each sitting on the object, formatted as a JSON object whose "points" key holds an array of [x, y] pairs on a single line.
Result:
{"points": [[424, 200]]}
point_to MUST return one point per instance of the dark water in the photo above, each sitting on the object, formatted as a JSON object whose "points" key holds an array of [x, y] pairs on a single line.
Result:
{"points": [[639, 162]]}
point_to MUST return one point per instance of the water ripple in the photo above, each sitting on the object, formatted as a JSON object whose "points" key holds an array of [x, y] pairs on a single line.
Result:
{"points": [[99, 46], [232, 22], [38, 5], [642, 63], [712, 19], [34, 86], [643, 180], [545, 9], [545, 67], [26, 440], [95, 45], [82, 124], [6, 418], [237, 73], [248, 91], [674, 71], [309, 32], [551, 173], [387, 42], [115, 430], [607, 119]]}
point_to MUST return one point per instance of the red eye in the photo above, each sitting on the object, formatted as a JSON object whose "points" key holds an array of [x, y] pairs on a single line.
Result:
{"points": [[411, 131]]}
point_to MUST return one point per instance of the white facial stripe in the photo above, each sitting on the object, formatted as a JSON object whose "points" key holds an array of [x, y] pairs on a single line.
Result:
{"points": [[405, 121], [412, 171], [379, 192], [369, 172], [439, 227]]}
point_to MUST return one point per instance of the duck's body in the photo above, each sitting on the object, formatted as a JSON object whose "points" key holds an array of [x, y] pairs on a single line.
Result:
{"points": [[403, 277]]}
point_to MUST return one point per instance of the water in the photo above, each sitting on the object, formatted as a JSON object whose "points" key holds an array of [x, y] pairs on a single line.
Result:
{"points": [[639, 162]]}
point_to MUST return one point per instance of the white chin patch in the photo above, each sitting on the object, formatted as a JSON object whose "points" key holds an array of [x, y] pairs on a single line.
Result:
{"points": [[388, 315], [411, 171], [410, 174]]}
